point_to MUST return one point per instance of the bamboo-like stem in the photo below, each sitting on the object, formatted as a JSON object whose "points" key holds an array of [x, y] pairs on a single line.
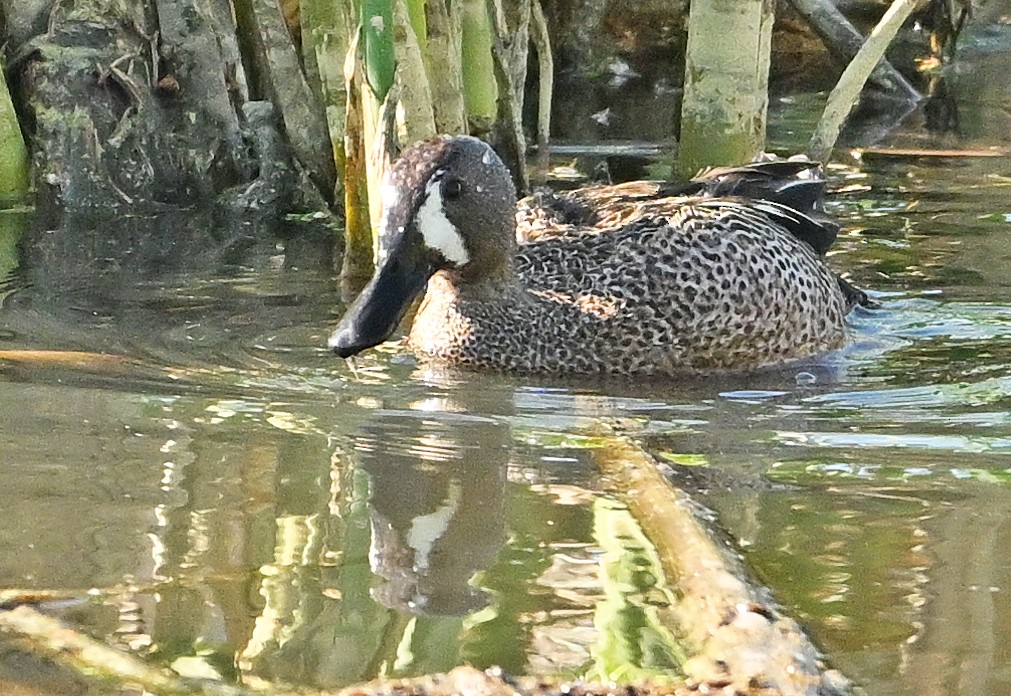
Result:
{"points": [[726, 83], [358, 244], [370, 107], [14, 169], [510, 70], [380, 71], [419, 21], [414, 94], [328, 29], [480, 88], [377, 45], [847, 91]]}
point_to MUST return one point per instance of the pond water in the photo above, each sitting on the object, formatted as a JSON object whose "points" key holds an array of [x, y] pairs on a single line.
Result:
{"points": [[247, 505]]}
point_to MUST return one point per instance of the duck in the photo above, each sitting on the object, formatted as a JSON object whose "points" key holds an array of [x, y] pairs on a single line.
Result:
{"points": [[726, 273]]}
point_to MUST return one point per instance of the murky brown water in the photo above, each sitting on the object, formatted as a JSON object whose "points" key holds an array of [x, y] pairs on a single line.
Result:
{"points": [[250, 506]]}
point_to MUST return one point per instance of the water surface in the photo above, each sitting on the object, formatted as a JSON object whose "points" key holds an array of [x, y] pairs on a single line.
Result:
{"points": [[249, 506]]}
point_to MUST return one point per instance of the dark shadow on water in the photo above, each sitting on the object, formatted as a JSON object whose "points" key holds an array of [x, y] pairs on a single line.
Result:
{"points": [[186, 287]]}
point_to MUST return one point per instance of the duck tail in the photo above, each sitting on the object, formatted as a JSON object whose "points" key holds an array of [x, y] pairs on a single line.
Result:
{"points": [[797, 185]]}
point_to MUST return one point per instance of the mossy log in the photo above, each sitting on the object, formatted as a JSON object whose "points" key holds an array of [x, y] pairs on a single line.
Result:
{"points": [[140, 102]]}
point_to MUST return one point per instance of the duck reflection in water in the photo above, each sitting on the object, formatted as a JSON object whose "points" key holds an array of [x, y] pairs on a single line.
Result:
{"points": [[436, 507]]}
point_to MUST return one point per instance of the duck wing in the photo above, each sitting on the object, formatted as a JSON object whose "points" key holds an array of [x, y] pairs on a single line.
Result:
{"points": [[790, 192], [817, 232], [587, 210], [798, 184]]}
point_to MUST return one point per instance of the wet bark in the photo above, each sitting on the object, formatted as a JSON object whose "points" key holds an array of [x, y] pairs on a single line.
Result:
{"points": [[140, 103], [285, 85]]}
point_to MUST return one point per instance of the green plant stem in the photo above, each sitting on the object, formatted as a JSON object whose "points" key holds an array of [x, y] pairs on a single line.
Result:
{"points": [[377, 36], [480, 90], [14, 169]]}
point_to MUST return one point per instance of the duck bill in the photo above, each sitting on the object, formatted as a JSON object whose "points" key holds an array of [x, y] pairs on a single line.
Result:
{"points": [[376, 312]]}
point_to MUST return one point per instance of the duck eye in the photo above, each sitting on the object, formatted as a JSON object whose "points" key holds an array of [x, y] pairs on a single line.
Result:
{"points": [[452, 188]]}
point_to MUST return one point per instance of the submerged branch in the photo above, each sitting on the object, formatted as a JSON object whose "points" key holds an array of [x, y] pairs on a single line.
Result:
{"points": [[46, 637], [472, 682], [738, 639], [88, 657], [11, 598], [76, 359], [737, 635]]}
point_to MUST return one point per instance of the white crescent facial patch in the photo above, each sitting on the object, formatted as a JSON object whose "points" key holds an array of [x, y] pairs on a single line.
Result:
{"points": [[438, 232]]}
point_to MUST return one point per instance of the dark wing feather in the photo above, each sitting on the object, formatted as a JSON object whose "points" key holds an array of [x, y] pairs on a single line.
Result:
{"points": [[790, 192]]}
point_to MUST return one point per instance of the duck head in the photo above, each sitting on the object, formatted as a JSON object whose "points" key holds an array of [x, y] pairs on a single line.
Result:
{"points": [[448, 205]]}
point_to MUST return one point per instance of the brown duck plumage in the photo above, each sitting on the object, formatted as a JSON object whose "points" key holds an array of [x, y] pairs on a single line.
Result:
{"points": [[632, 279]]}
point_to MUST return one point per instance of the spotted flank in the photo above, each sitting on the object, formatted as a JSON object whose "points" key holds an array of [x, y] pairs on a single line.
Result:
{"points": [[726, 273]]}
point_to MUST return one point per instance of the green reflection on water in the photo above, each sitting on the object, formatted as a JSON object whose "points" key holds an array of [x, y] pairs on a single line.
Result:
{"points": [[636, 635], [845, 564]]}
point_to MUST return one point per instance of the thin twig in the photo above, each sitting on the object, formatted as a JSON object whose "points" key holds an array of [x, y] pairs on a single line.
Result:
{"points": [[546, 74], [843, 40], [846, 93]]}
